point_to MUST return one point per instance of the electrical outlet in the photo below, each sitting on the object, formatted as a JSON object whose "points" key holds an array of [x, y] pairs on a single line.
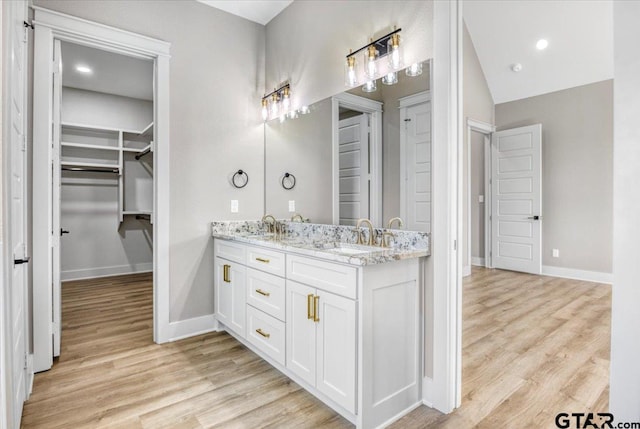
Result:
{"points": [[292, 206], [234, 206], [556, 253], [481, 198]]}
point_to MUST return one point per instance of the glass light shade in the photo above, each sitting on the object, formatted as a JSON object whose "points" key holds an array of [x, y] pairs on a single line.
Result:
{"points": [[351, 72], [293, 114], [369, 86], [304, 110], [275, 106], [394, 54], [390, 78], [371, 69], [286, 100], [414, 70], [265, 109]]}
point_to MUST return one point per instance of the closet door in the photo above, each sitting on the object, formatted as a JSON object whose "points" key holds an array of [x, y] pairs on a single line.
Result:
{"points": [[56, 197]]}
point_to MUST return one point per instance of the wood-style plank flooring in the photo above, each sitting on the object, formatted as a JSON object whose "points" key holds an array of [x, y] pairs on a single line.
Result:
{"points": [[532, 347]]}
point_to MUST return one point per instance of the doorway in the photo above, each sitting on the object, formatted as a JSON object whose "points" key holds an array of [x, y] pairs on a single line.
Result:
{"points": [[103, 162]]}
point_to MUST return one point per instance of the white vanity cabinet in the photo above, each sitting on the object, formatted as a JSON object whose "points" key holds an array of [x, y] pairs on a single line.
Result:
{"points": [[349, 334]]}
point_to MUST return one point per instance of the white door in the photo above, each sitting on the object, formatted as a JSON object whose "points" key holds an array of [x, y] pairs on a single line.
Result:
{"points": [[353, 169], [231, 295], [16, 238], [56, 192], [336, 349], [516, 205], [416, 192], [301, 332]]}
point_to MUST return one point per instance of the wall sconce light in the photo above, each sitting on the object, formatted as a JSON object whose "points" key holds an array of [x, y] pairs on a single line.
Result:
{"points": [[386, 46], [277, 103]]}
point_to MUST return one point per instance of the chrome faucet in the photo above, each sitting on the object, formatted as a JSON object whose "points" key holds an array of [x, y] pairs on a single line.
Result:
{"points": [[272, 223], [298, 217], [371, 241], [395, 219]]}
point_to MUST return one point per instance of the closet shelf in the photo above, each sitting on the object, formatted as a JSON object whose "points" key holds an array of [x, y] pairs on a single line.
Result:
{"points": [[89, 164], [136, 212], [148, 130], [89, 146], [89, 127]]}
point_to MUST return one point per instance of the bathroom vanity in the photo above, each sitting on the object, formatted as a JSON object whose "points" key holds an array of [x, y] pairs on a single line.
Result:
{"points": [[342, 320]]}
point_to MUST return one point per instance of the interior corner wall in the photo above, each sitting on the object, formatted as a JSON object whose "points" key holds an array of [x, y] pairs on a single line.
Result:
{"points": [[577, 172], [478, 105], [325, 31], [624, 399], [215, 126]]}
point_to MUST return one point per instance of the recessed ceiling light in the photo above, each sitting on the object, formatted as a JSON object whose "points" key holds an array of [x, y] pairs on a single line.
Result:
{"points": [[83, 69], [516, 67], [542, 44]]}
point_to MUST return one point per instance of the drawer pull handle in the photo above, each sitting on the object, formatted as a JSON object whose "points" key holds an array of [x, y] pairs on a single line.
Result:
{"points": [[225, 273], [309, 306], [266, 261], [316, 305], [261, 332], [261, 292]]}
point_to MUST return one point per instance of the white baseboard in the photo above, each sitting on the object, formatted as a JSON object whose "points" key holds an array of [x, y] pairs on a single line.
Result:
{"points": [[192, 327], [92, 273], [476, 261], [466, 271], [570, 273], [30, 375]]}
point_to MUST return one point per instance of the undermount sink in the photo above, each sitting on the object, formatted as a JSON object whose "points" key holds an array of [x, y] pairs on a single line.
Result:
{"points": [[352, 249]]}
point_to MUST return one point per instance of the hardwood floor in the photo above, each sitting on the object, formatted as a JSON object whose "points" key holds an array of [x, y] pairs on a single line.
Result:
{"points": [[532, 347]]}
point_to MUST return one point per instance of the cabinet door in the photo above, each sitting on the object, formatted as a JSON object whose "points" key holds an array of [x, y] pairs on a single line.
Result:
{"points": [[301, 332], [336, 349], [230, 295]]}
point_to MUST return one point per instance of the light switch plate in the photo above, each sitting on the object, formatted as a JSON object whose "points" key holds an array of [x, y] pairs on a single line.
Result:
{"points": [[234, 206], [481, 198], [292, 206], [556, 253]]}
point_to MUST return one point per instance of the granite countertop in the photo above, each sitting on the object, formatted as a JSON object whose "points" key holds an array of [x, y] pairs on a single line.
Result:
{"points": [[329, 242]]}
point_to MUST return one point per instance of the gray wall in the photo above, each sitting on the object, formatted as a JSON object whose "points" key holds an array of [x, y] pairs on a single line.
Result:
{"points": [[302, 147], [98, 244], [477, 104], [624, 401], [577, 171], [308, 41], [476, 188], [216, 81]]}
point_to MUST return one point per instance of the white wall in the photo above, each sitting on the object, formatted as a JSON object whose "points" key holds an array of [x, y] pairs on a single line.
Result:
{"points": [[577, 171], [624, 401], [216, 81], [308, 42]]}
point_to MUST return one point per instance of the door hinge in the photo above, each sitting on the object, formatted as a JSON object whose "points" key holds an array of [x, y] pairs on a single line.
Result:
{"points": [[455, 244], [26, 357], [23, 143]]}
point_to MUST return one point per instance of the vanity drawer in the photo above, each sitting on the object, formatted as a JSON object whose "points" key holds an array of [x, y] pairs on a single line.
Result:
{"points": [[266, 292], [339, 279], [265, 260], [230, 251], [266, 333]]}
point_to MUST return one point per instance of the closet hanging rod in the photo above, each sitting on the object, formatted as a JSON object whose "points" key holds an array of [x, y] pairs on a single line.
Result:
{"points": [[92, 170], [143, 153]]}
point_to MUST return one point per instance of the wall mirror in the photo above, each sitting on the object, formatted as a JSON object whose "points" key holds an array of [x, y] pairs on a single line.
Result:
{"points": [[356, 155]]}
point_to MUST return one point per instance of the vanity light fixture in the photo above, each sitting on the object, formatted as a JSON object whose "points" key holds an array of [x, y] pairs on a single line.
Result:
{"points": [[385, 46], [414, 70], [304, 110], [390, 78], [277, 103]]}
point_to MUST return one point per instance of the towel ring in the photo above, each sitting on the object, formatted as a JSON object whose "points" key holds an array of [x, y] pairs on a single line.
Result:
{"points": [[292, 181], [240, 173]]}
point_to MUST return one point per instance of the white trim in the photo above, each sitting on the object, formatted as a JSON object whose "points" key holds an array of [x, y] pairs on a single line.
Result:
{"points": [[191, 327], [30, 375], [118, 270], [406, 102], [584, 275], [445, 264], [374, 108], [50, 26], [485, 129], [466, 271], [414, 99], [477, 261]]}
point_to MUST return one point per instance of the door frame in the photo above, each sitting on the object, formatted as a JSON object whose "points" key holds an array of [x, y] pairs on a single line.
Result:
{"points": [[405, 103], [374, 109], [487, 130], [50, 25]]}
